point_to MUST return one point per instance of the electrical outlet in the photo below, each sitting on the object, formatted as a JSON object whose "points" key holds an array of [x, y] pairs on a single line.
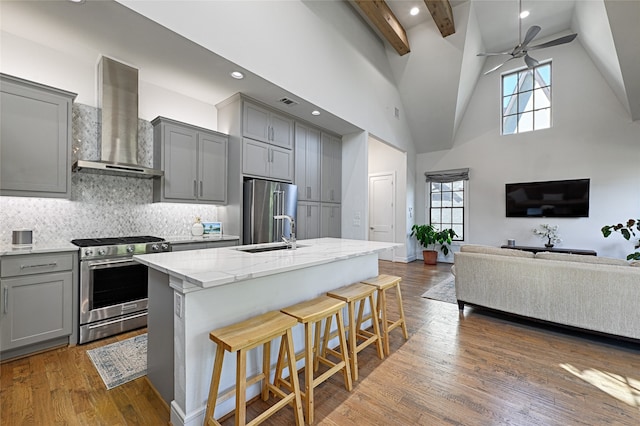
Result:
{"points": [[178, 305]]}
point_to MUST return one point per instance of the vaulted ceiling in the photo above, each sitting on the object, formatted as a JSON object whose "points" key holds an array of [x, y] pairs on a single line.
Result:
{"points": [[435, 79], [437, 76]]}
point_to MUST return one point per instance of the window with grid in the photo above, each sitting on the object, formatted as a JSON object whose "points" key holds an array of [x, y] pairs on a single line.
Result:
{"points": [[447, 206], [526, 100]]}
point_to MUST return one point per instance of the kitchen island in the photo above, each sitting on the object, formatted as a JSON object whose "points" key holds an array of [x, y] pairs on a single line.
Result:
{"points": [[194, 292]]}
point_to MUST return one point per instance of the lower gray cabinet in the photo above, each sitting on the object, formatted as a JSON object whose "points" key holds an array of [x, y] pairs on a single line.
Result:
{"points": [[330, 220], [36, 299], [308, 220]]}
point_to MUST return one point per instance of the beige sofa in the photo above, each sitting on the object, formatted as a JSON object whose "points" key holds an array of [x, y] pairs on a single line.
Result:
{"points": [[593, 293]]}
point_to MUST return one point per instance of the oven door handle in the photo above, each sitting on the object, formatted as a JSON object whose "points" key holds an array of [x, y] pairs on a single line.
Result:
{"points": [[112, 264]]}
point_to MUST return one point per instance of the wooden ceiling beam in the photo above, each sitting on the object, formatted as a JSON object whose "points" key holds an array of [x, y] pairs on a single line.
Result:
{"points": [[383, 19], [442, 15]]}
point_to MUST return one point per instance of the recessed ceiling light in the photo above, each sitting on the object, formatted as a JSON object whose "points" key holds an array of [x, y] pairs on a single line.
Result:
{"points": [[237, 75], [524, 14], [77, 1], [315, 112], [414, 11]]}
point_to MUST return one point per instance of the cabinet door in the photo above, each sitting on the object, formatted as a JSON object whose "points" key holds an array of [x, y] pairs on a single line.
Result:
{"points": [[331, 164], [281, 130], [35, 130], [180, 163], [212, 167], [255, 158], [255, 122], [35, 308], [330, 220], [307, 162], [281, 164], [308, 223]]}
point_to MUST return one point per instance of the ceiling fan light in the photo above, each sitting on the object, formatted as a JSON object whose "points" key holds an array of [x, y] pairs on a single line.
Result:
{"points": [[414, 11]]}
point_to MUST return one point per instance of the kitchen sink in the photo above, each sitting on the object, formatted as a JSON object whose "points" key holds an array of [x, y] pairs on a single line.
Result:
{"points": [[266, 248]]}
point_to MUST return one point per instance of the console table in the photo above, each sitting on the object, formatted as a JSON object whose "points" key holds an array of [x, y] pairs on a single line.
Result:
{"points": [[553, 250]]}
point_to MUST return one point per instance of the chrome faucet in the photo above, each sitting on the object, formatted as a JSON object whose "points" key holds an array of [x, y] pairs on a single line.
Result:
{"points": [[291, 241]]}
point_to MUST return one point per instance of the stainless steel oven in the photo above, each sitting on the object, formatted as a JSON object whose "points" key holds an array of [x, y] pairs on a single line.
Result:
{"points": [[113, 287]]}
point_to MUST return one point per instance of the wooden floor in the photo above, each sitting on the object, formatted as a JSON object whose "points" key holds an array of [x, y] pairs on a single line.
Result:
{"points": [[478, 368]]}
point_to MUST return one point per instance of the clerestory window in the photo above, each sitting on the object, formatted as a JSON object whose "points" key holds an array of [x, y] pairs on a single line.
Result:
{"points": [[526, 100]]}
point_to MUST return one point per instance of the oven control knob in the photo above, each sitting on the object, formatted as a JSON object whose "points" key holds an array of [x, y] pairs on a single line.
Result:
{"points": [[88, 252], [165, 246], [130, 249], [155, 247], [102, 252]]}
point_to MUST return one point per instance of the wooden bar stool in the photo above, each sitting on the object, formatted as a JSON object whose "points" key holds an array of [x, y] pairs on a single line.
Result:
{"points": [[359, 294], [240, 338], [383, 283], [312, 313]]}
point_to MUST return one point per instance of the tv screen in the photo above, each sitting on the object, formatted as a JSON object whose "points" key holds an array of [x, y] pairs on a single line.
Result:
{"points": [[561, 198]]}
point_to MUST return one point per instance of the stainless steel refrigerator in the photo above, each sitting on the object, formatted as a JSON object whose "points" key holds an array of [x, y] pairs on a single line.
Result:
{"points": [[263, 200]]}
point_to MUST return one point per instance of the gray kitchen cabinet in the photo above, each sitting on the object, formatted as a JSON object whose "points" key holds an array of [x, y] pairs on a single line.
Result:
{"points": [[267, 126], [264, 160], [331, 169], [330, 220], [307, 162], [308, 220], [194, 161], [35, 130], [36, 299], [204, 244]]}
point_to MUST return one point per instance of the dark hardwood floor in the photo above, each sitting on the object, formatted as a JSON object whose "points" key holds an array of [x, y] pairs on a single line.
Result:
{"points": [[479, 368]]}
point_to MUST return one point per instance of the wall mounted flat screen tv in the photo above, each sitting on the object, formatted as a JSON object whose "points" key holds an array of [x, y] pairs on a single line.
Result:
{"points": [[561, 198]]}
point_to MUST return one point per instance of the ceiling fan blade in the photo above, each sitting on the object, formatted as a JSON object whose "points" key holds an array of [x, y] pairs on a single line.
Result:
{"points": [[531, 33], [530, 61], [493, 54], [495, 68], [562, 40]]}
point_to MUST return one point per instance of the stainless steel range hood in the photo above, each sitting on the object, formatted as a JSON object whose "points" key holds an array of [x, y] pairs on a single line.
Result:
{"points": [[118, 121]]}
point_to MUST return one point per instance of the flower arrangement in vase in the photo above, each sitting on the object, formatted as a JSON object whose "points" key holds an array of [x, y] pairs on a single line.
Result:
{"points": [[548, 232]]}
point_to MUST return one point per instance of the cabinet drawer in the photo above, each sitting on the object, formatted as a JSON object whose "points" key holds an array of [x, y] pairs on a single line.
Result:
{"points": [[15, 266]]}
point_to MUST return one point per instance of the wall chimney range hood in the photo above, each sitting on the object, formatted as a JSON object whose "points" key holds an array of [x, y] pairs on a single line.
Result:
{"points": [[118, 122]]}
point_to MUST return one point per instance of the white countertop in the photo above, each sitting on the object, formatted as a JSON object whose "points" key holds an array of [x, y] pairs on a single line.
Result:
{"points": [[63, 246], [220, 266], [185, 239]]}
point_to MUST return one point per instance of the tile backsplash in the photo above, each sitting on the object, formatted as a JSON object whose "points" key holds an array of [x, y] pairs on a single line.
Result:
{"points": [[100, 205]]}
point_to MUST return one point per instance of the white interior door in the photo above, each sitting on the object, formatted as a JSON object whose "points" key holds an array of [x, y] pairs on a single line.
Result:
{"points": [[382, 197]]}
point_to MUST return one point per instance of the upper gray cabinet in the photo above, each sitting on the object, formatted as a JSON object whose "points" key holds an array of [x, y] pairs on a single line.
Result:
{"points": [[35, 130], [267, 126], [307, 162], [331, 166], [194, 161]]}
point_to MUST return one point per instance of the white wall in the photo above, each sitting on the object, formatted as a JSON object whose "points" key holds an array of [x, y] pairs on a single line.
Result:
{"points": [[591, 137]]}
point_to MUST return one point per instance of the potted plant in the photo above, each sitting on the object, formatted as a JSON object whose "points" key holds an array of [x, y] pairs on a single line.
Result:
{"points": [[429, 236], [549, 233], [627, 230]]}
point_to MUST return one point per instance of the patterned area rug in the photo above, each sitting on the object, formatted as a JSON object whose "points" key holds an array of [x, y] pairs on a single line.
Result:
{"points": [[121, 362], [444, 291]]}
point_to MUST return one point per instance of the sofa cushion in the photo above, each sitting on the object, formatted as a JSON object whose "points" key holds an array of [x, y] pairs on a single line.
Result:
{"points": [[581, 258], [636, 263], [475, 248]]}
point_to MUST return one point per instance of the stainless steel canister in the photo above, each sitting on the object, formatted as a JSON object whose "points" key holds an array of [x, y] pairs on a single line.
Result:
{"points": [[22, 237]]}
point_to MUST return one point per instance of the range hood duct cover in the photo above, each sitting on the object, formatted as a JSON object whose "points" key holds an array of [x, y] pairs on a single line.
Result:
{"points": [[118, 118]]}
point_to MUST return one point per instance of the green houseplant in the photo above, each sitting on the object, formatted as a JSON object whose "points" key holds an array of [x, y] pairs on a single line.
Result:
{"points": [[627, 230], [428, 236]]}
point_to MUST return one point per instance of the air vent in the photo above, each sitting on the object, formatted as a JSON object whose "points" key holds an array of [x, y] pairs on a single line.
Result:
{"points": [[288, 102]]}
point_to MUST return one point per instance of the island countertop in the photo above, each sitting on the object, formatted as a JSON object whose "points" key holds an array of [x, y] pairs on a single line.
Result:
{"points": [[219, 266]]}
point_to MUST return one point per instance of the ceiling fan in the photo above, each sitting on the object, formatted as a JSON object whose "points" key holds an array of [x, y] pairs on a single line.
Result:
{"points": [[523, 48]]}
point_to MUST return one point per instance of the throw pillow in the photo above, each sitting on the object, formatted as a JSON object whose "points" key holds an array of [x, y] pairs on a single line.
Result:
{"points": [[474, 248], [566, 257]]}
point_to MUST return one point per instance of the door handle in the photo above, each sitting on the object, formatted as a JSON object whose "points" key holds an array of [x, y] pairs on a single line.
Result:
{"points": [[201, 188], [195, 190], [371, 227], [6, 299]]}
